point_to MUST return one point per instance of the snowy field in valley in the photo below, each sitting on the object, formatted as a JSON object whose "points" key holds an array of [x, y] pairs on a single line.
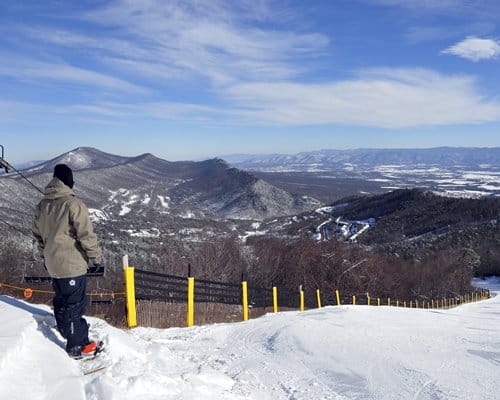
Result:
{"points": [[348, 352]]}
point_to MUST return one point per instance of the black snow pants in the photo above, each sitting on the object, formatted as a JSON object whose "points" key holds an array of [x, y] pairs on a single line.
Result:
{"points": [[70, 301]]}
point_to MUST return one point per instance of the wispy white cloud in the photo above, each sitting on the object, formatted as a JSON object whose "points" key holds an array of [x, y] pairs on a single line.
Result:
{"points": [[213, 40], [152, 110], [475, 49], [160, 44], [384, 98], [110, 113], [34, 70]]}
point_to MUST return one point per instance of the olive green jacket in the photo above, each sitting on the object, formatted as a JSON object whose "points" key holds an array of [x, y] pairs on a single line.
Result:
{"points": [[64, 232]]}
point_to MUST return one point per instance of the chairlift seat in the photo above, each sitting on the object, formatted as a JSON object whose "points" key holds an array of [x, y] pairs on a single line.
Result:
{"points": [[37, 279]]}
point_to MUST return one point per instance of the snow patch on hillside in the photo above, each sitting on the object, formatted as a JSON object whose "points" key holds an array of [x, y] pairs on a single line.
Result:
{"points": [[145, 233], [98, 215], [164, 201]]}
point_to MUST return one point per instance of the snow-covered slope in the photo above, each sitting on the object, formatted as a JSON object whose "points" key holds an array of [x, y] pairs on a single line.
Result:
{"points": [[334, 353]]}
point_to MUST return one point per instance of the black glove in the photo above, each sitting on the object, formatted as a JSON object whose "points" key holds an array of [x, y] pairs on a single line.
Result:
{"points": [[96, 270]]}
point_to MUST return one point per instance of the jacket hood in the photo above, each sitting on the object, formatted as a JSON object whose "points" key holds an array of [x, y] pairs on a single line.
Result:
{"points": [[57, 189]]}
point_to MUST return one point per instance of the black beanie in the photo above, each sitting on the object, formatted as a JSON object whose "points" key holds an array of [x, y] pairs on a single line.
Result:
{"points": [[64, 173]]}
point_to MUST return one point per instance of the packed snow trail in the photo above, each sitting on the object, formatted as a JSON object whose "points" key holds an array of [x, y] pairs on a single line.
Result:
{"points": [[337, 353]]}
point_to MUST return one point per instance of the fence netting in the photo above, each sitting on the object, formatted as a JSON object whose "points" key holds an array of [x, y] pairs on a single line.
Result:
{"points": [[159, 287]]}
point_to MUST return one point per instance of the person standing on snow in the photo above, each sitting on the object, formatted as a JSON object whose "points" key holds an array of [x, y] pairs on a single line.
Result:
{"points": [[67, 243]]}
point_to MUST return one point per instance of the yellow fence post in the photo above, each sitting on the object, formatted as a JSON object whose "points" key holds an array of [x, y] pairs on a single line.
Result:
{"points": [[301, 299], [275, 299], [397, 303], [405, 304], [416, 303], [337, 294], [318, 297], [378, 301], [353, 300], [244, 292], [368, 300], [190, 301], [388, 301], [128, 273]]}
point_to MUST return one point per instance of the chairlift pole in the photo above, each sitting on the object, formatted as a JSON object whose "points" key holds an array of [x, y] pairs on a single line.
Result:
{"points": [[4, 164]]}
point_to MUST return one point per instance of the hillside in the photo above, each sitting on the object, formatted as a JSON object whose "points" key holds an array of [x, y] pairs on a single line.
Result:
{"points": [[348, 352], [408, 223], [132, 191], [415, 223]]}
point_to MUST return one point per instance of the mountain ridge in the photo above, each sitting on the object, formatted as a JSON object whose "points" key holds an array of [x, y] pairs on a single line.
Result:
{"points": [[145, 183], [328, 159]]}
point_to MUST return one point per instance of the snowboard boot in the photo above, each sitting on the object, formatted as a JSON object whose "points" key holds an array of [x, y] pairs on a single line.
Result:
{"points": [[89, 349], [83, 351]]}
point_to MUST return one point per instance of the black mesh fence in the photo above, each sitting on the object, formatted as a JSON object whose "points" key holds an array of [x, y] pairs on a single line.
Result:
{"points": [[260, 297], [160, 287], [206, 291]]}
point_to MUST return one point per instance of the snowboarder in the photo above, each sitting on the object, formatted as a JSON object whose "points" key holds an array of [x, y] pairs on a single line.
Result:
{"points": [[67, 243]]}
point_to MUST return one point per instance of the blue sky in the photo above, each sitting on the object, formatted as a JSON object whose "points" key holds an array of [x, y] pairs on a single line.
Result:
{"points": [[194, 79]]}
